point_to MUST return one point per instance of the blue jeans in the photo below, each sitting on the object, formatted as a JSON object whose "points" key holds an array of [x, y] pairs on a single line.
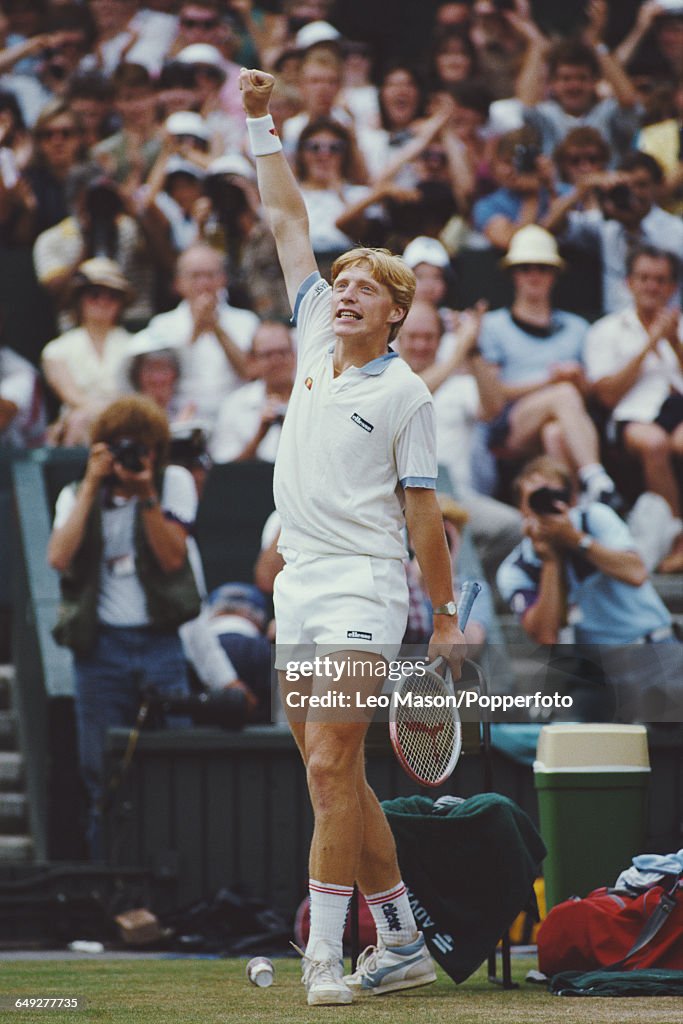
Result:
{"points": [[109, 685]]}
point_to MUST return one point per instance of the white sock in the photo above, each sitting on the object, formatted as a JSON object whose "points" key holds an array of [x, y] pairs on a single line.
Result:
{"points": [[393, 916], [595, 478], [329, 905]]}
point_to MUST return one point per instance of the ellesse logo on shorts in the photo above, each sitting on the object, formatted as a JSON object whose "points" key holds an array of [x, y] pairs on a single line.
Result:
{"points": [[356, 634], [362, 423]]}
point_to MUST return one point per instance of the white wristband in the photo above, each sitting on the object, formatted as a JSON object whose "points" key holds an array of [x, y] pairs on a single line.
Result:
{"points": [[263, 136]]}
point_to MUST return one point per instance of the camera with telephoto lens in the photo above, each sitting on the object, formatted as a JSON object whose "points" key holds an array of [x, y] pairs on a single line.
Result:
{"points": [[227, 198], [226, 708], [524, 158], [128, 453], [620, 196], [102, 200], [544, 500], [188, 447], [103, 204]]}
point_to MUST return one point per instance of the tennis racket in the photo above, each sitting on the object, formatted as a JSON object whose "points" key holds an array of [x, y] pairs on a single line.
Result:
{"points": [[424, 723]]}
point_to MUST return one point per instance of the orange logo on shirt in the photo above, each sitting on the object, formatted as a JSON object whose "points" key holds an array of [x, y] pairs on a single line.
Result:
{"points": [[309, 383]]}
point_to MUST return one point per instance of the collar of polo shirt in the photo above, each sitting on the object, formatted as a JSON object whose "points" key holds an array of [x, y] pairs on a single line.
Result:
{"points": [[375, 366]]}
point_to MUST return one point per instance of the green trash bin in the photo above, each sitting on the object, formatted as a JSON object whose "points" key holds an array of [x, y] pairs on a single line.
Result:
{"points": [[591, 782]]}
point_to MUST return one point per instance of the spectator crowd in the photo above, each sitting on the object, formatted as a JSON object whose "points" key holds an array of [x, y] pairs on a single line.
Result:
{"points": [[529, 170]]}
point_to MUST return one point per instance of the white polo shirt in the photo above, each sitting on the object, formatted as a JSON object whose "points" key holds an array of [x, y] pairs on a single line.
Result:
{"points": [[611, 343], [238, 420], [206, 373], [349, 444]]}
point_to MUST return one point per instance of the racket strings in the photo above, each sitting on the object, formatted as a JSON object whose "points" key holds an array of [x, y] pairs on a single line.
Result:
{"points": [[427, 735]]}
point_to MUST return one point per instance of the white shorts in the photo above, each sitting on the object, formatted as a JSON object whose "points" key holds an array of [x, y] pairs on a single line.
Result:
{"points": [[327, 603]]}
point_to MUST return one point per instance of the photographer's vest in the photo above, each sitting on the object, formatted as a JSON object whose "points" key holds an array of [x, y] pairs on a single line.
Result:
{"points": [[172, 597]]}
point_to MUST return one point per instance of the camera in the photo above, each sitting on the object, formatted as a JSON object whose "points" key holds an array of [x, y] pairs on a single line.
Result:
{"points": [[188, 447], [544, 500], [224, 708], [103, 204], [227, 198], [620, 196], [102, 200], [128, 453], [524, 158]]}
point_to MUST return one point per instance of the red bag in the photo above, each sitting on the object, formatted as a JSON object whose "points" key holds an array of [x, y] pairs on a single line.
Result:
{"points": [[614, 929]]}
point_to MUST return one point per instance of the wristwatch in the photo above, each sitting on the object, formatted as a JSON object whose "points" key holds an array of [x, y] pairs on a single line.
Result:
{"points": [[450, 608], [586, 542]]}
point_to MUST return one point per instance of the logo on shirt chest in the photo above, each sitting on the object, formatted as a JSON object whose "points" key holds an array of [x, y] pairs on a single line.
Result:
{"points": [[308, 383], [362, 423]]}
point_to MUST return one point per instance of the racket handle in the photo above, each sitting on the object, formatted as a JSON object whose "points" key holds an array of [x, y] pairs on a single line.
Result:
{"points": [[468, 595]]}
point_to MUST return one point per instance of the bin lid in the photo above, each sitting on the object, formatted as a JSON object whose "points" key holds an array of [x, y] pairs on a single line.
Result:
{"points": [[569, 746]]}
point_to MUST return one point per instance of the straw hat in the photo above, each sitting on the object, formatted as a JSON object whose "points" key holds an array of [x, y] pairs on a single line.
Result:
{"points": [[104, 272], [532, 245]]}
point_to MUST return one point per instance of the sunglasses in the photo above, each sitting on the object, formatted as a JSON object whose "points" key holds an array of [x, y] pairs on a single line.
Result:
{"points": [[57, 133], [584, 158], [529, 268], [324, 147], [199, 22], [100, 291]]}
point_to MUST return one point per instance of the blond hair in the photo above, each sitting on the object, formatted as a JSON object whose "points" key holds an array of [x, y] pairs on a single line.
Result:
{"points": [[546, 466], [385, 268]]}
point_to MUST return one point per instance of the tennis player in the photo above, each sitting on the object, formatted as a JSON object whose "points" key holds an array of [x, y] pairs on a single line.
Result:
{"points": [[356, 462]]}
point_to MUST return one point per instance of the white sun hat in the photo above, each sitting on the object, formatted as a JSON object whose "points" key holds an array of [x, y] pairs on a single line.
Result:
{"points": [[533, 244]]}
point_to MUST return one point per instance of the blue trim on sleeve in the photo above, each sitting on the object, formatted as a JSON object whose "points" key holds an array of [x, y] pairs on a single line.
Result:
{"points": [[304, 288], [419, 481]]}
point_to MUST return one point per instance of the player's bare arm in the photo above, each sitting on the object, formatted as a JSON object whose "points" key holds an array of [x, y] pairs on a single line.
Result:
{"points": [[280, 193], [425, 526]]}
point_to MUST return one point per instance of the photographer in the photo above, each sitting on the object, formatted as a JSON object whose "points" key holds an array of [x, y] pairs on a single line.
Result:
{"points": [[630, 217], [526, 189], [250, 419], [579, 565], [119, 543], [100, 224], [231, 221]]}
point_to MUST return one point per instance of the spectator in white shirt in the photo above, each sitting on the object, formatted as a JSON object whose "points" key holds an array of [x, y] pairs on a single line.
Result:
{"points": [[212, 337], [22, 412], [495, 526], [250, 420], [631, 217], [634, 359]]}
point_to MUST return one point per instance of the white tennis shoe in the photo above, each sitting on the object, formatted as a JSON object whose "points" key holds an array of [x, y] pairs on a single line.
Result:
{"points": [[390, 968], [323, 977]]}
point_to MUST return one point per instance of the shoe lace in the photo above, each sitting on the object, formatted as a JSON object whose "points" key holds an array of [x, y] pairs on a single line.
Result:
{"points": [[367, 961], [324, 968]]}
